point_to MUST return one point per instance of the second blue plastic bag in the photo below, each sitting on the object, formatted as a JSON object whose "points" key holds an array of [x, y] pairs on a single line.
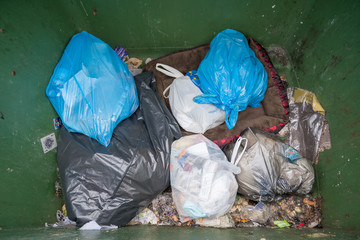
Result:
{"points": [[91, 89], [231, 77]]}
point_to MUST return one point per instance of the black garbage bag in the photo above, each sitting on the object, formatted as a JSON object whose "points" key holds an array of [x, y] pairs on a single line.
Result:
{"points": [[110, 185], [269, 168]]}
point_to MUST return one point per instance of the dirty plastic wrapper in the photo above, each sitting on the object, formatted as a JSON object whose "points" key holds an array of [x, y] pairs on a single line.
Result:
{"points": [[307, 120], [110, 185], [270, 168], [202, 180]]}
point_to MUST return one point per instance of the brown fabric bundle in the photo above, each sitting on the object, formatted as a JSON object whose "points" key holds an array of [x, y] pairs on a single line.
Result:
{"points": [[270, 114]]}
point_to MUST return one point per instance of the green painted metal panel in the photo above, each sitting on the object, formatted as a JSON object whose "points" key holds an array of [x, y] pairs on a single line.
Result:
{"points": [[321, 40], [324, 60], [35, 34], [174, 233]]}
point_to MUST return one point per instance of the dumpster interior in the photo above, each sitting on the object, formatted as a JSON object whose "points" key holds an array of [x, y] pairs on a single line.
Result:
{"points": [[312, 45]]}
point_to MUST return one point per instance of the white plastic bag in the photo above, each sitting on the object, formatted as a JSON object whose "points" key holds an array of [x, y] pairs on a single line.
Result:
{"points": [[202, 180], [191, 116]]}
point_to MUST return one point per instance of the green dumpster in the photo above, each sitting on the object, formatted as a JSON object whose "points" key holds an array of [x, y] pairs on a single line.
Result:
{"points": [[319, 41]]}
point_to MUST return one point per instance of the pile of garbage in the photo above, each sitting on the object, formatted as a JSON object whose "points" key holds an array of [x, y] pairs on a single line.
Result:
{"points": [[296, 211], [206, 137]]}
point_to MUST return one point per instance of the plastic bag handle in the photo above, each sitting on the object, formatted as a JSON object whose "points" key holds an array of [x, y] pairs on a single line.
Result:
{"points": [[165, 91], [169, 71], [236, 149]]}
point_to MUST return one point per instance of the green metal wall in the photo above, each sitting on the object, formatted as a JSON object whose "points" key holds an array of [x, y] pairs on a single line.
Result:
{"points": [[35, 34], [321, 39]]}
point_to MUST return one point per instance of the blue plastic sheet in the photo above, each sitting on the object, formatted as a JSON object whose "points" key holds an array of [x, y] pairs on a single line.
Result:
{"points": [[231, 77], [91, 89]]}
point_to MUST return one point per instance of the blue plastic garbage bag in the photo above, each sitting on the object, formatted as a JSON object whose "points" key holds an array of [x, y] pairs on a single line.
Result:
{"points": [[231, 77], [91, 89]]}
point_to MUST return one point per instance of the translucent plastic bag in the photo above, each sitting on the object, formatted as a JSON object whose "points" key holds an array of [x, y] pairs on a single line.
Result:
{"points": [[269, 167], [191, 116], [91, 89], [231, 77], [202, 180], [307, 120]]}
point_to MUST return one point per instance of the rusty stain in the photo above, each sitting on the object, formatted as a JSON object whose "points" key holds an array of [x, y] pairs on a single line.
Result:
{"points": [[2, 30], [345, 110], [319, 201], [354, 134], [13, 73], [94, 11], [355, 123], [347, 216]]}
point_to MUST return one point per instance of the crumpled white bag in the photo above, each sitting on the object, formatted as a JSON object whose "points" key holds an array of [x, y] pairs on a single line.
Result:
{"points": [[202, 180], [191, 116]]}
